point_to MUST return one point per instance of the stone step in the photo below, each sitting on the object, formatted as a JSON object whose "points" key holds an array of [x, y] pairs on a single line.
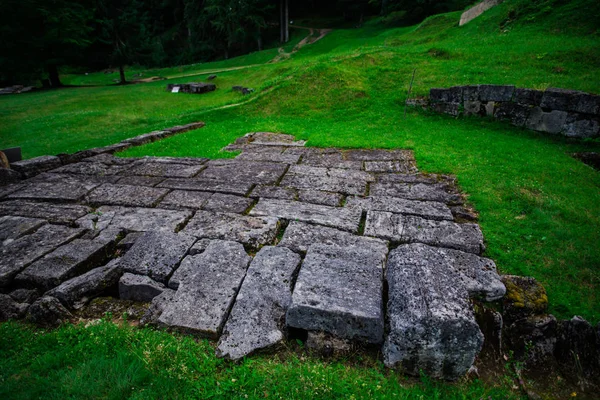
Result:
{"points": [[431, 324], [256, 319]]}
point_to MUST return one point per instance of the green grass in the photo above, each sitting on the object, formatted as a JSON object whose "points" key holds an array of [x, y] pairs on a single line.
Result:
{"points": [[112, 361]]}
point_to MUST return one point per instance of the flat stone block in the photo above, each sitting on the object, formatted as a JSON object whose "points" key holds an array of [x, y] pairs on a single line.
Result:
{"points": [[339, 290], [473, 108], [240, 188], [416, 178], [319, 197], [55, 213], [264, 173], [163, 169], [256, 319], [410, 229], [21, 253], [431, 324], [53, 191], [581, 126], [450, 95], [73, 179], [439, 192], [300, 236], [561, 99], [588, 104], [184, 199], [496, 92], [252, 231], [139, 288], [140, 180], [156, 254], [34, 166], [199, 247], [8, 176], [331, 172], [135, 219], [126, 195], [452, 109], [129, 240], [403, 167], [279, 158], [379, 155], [227, 203], [274, 192], [528, 97], [515, 113], [336, 217], [219, 273], [12, 227], [90, 168], [426, 209]]}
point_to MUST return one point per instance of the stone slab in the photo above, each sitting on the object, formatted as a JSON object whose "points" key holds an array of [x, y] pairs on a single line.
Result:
{"points": [[8, 189], [274, 192], [416, 178], [378, 155], [325, 183], [252, 231], [90, 168], [140, 180], [76, 292], [299, 236], [184, 199], [227, 203], [319, 197], [339, 290], [199, 247], [274, 157], [139, 288], [219, 273], [264, 173], [411, 229], [55, 213], [164, 169], [425, 209], [135, 219], [53, 191], [331, 172], [431, 324], [34, 166], [7, 177], [126, 195], [256, 319], [230, 187], [73, 179], [336, 217], [21, 253], [403, 167], [417, 191], [69, 260], [12, 227], [156, 254]]}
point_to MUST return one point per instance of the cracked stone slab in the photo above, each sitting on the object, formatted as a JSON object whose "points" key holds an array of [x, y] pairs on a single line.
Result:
{"points": [[340, 290], [416, 178], [8, 189], [12, 227], [329, 159], [336, 217], [432, 326], [184, 199], [299, 236], [157, 254], [34, 166], [126, 195], [219, 273], [76, 292], [55, 213], [139, 288], [425, 209], [53, 191], [135, 219], [204, 185], [379, 155], [325, 183], [270, 139], [73, 179], [69, 260], [331, 172], [90, 168], [274, 192], [109, 159], [418, 191], [272, 157], [402, 167], [256, 319], [21, 253], [164, 169], [319, 197], [250, 230], [411, 229], [140, 180], [227, 203], [264, 173]]}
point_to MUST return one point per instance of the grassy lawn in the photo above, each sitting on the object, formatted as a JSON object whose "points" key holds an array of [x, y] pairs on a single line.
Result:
{"points": [[539, 208]]}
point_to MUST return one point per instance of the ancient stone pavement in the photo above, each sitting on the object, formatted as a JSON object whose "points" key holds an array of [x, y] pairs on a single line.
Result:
{"points": [[354, 243]]}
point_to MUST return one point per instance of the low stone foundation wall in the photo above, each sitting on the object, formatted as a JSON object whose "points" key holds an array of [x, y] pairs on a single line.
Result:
{"points": [[557, 111], [192, 87]]}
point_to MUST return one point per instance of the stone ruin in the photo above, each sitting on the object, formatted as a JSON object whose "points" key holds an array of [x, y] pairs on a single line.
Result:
{"points": [[192, 87], [348, 246]]}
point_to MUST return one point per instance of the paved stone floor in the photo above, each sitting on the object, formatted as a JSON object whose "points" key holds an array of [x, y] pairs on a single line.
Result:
{"points": [[354, 243]]}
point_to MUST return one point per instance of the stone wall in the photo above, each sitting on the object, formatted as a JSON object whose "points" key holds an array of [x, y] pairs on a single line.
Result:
{"points": [[559, 111], [477, 10]]}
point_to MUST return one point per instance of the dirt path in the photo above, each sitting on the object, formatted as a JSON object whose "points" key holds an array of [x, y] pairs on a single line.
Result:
{"points": [[313, 36]]}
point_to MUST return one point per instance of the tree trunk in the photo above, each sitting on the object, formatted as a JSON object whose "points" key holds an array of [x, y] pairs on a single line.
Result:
{"points": [[53, 75], [259, 40], [287, 21], [281, 21], [384, 6], [122, 74]]}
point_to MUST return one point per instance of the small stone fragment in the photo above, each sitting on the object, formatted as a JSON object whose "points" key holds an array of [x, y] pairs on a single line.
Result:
{"points": [[327, 345], [199, 247], [157, 307], [182, 199], [37, 165], [139, 288], [10, 308], [25, 295], [163, 169], [48, 311], [524, 297], [426, 209]]}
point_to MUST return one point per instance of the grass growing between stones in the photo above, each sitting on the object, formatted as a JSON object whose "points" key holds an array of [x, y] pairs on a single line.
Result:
{"points": [[106, 360]]}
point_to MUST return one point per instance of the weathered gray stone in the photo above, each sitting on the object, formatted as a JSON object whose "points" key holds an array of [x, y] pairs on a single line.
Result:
{"points": [[528, 97], [129, 240], [453, 109], [73, 179], [135, 219], [342, 218], [69, 260], [54, 191], [109, 159], [256, 319], [139, 288], [157, 307], [261, 156], [403, 167], [411, 229], [253, 231], [55, 213], [157, 254], [440, 192], [199, 247], [561, 99], [163, 169], [25, 295], [274, 192], [588, 104], [426, 209], [172, 160], [76, 292], [577, 125], [319, 197], [126, 195], [578, 351], [472, 107], [450, 95], [339, 290], [227, 203], [184, 199], [496, 92], [300, 236], [90, 168], [48, 311], [432, 327], [332, 172], [21, 253], [12, 228], [329, 158], [143, 139], [515, 113], [10, 308], [140, 180], [232, 187], [8, 176], [270, 139], [325, 183], [525, 297], [34, 166], [234, 171], [219, 274], [327, 345], [551, 122]]}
